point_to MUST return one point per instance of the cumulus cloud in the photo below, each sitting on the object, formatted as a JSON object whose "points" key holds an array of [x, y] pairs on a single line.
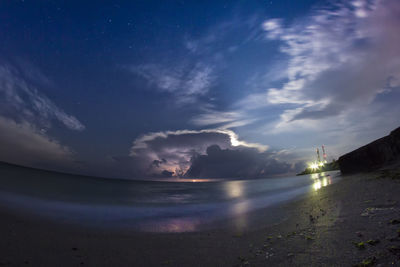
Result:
{"points": [[190, 136], [339, 57], [172, 151], [184, 82], [22, 101], [241, 163]]}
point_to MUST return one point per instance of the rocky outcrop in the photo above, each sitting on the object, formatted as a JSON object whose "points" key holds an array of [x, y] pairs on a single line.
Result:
{"points": [[377, 154]]}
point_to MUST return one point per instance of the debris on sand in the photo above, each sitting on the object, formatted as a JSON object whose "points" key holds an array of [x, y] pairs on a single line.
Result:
{"points": [[373, 242], [359, 245], [367, 262]]}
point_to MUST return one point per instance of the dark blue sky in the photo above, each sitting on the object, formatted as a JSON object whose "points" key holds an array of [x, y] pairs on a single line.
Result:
{"points": [[107, 88]]}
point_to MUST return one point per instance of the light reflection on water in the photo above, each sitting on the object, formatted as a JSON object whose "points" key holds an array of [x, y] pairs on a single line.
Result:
{"points": [[234, 189], [159, 206], [321, 180]]}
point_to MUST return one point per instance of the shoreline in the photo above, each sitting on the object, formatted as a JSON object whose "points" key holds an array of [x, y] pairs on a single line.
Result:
{"points": [[156, 207], [321, 230]]}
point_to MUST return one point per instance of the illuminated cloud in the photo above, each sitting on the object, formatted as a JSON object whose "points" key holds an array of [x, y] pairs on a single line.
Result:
{"points": [[143, 141], [173, 150], [243, 163]]}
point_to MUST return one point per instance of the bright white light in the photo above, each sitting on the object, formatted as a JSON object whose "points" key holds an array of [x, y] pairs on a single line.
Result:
{"points": [[313, 166], [317, 185]]}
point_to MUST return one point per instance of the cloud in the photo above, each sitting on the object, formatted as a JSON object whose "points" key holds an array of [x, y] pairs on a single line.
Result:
{"points": [[339, 57], [25, 144], [190, 138], [224, 37], [184, 82], [195, 66], [221, 119], [273, 27], [335, 77], [241, 163], [25, 117], [172, 151], [22, 101]]}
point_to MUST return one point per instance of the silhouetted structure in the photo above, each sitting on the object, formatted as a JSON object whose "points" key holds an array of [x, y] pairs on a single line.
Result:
{"points": [[318, 157], [379, 153], [324, 153]]}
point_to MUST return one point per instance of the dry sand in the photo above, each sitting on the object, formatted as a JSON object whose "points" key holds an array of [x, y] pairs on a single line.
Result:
{"points": [[322, 229]]}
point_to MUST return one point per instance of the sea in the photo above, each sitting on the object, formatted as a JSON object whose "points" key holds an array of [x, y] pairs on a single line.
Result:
{"points": [[180, 205]]}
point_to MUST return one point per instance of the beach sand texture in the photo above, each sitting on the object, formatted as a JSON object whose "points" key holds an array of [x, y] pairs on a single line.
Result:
{"points": [[355, 221]]}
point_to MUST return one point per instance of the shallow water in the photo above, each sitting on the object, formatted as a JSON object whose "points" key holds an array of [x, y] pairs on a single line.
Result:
{"points": [[150, 206]]}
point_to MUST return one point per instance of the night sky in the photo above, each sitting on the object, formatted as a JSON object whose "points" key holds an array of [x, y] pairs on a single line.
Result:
{"points": [[140, 89]]}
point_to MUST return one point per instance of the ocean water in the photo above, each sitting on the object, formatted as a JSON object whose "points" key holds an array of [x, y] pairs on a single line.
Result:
{"points": [[154, 206]]}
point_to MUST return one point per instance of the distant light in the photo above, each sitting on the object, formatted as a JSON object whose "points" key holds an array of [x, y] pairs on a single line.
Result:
{"points": [[313, 166], [321, 164]]}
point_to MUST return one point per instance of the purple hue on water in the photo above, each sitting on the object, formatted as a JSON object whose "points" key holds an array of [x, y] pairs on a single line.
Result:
{"points": [[151, 206]]}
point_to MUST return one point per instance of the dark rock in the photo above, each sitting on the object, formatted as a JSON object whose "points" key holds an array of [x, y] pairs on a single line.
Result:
{"points": [[373, 242], [394, 221], [392, 238], [375, 155], [394, 249]]}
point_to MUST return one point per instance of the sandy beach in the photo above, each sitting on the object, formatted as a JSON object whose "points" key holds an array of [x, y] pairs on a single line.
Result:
{"points": [[354, 221]]}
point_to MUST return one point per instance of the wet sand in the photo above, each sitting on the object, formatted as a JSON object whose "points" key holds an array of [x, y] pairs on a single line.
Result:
{"points": [[330, 226]]}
